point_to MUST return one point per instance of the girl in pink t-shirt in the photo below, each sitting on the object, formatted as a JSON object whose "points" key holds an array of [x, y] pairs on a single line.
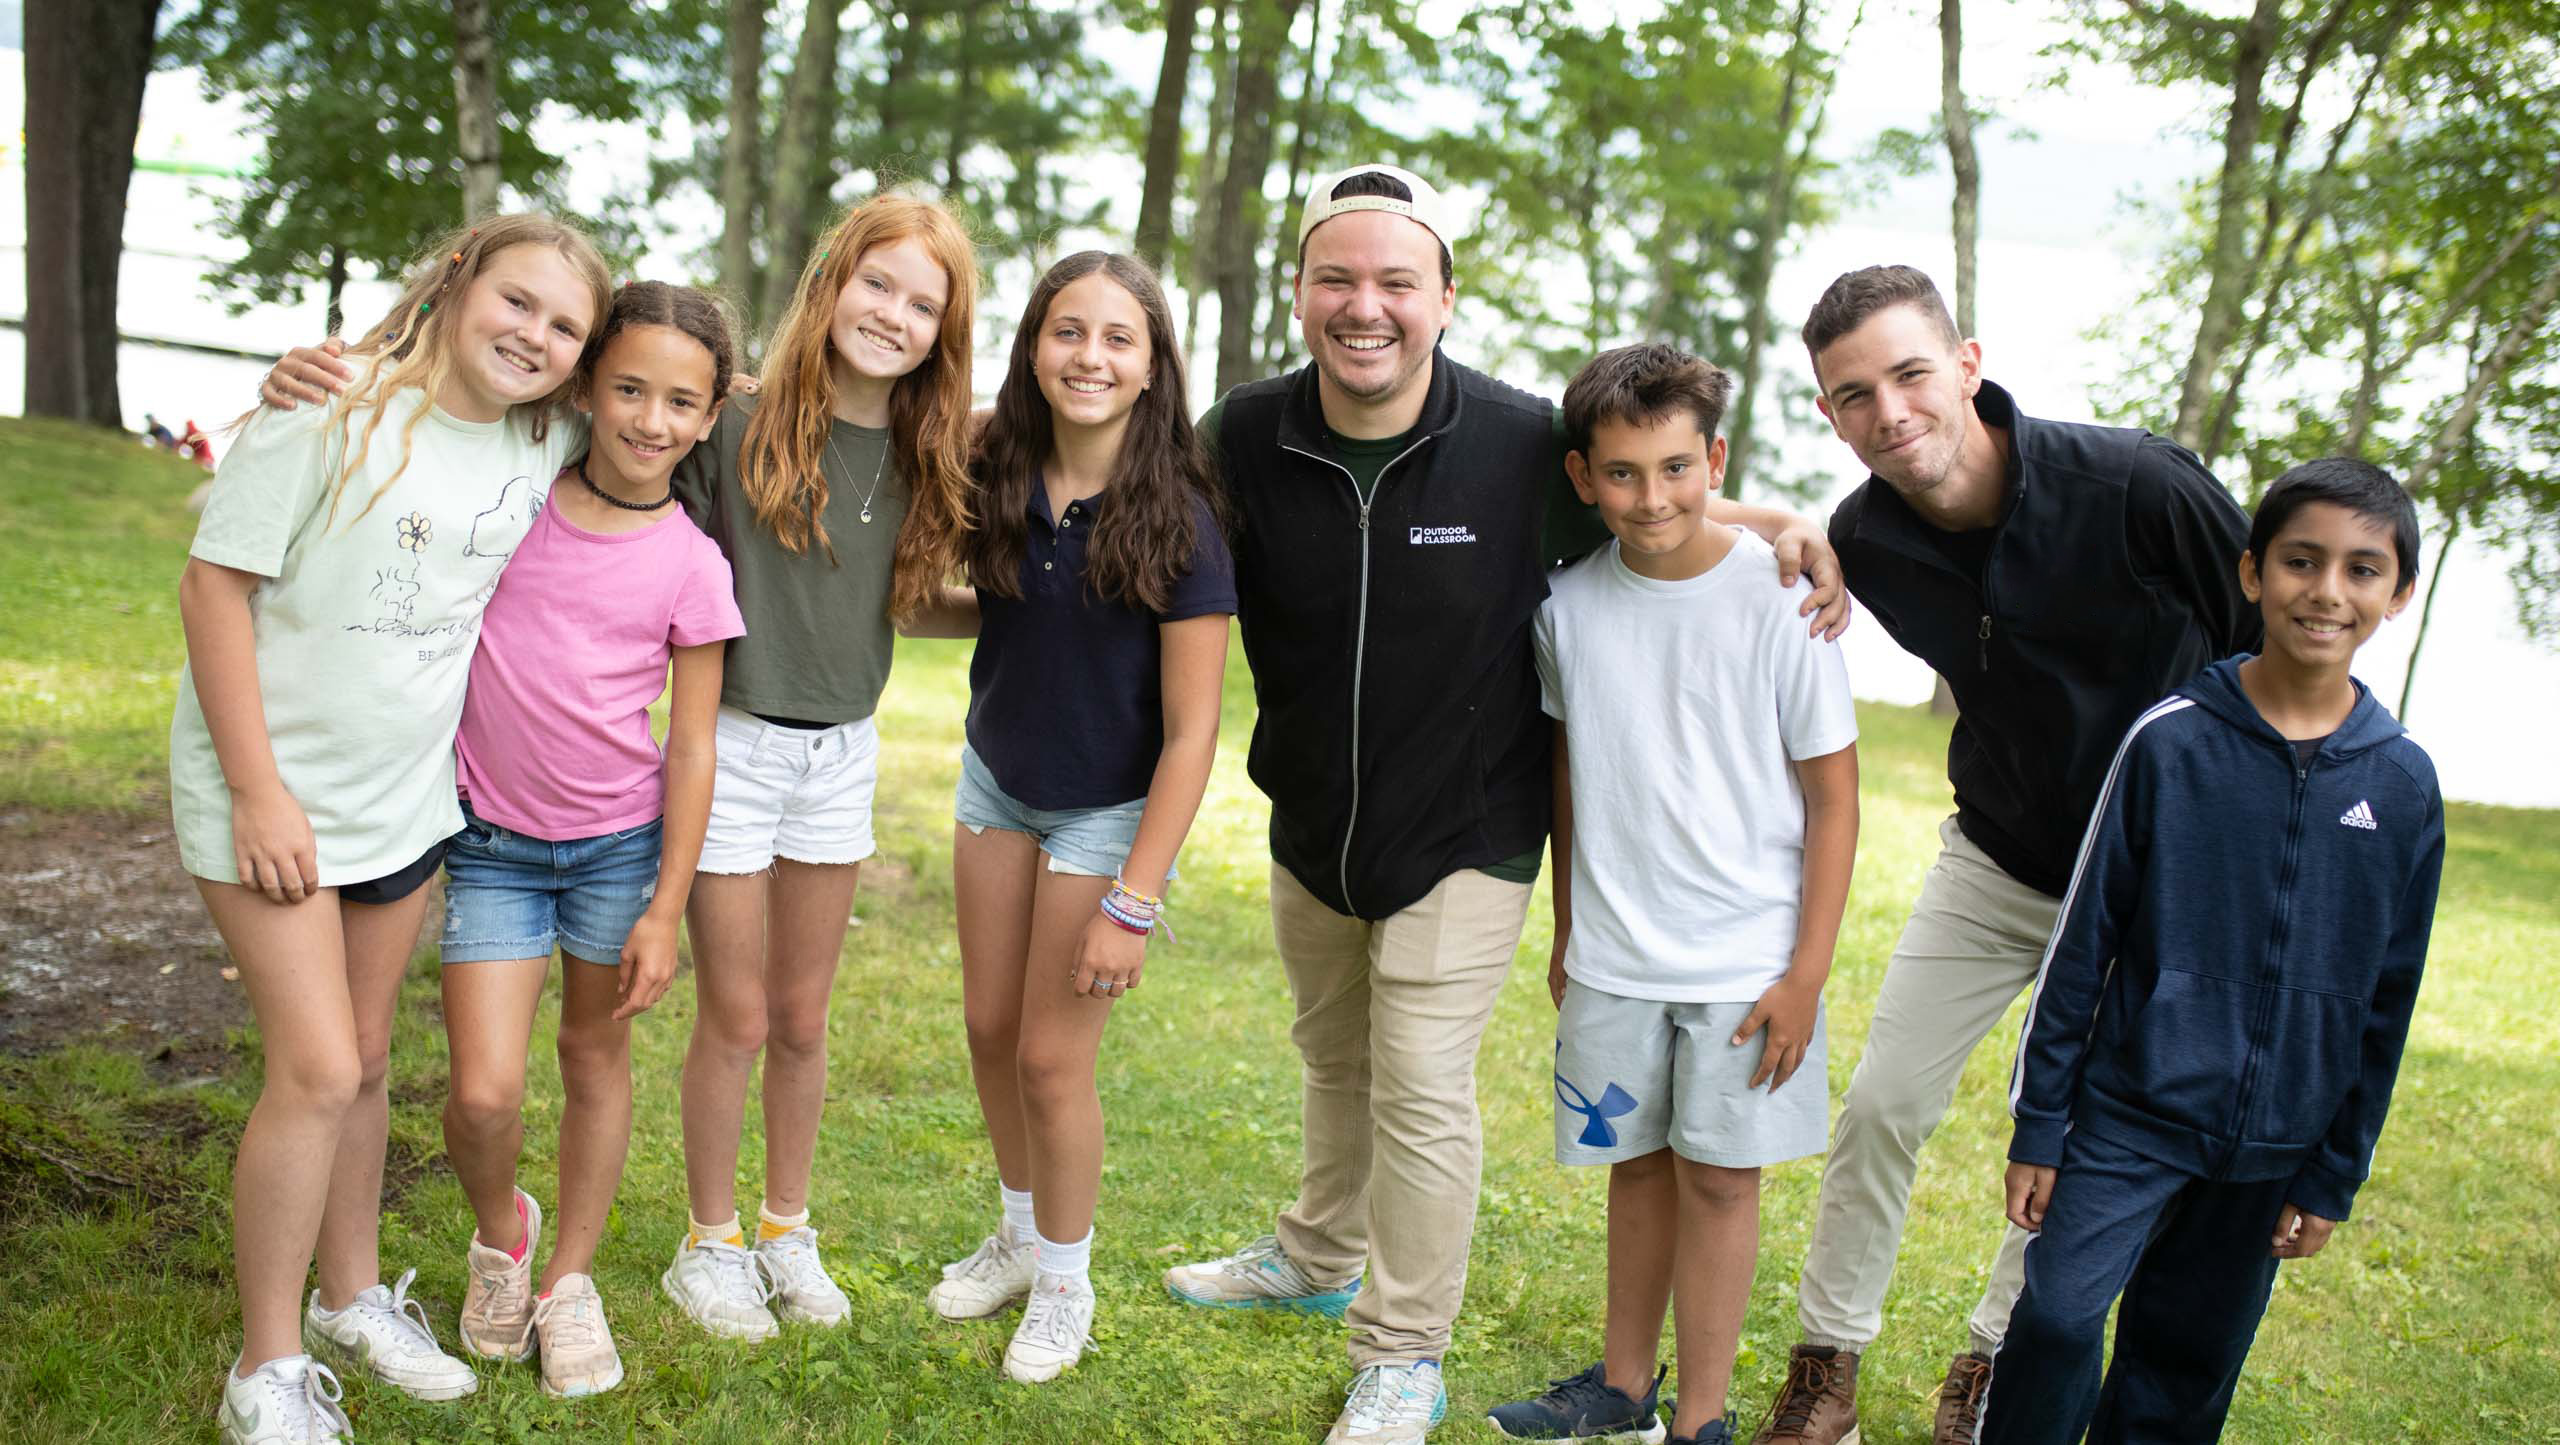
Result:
{"points": [[574, 832]]}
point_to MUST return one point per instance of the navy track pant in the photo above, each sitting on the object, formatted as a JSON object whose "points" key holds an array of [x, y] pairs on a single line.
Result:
{"points": [[2194, 1262]]}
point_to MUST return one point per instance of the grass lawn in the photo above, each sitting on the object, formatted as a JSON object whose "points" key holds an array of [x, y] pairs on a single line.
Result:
{"points": [[2431, 1316]]}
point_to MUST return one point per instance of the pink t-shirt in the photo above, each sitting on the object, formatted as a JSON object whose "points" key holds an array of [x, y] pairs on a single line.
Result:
{"points": [[573, 649]]}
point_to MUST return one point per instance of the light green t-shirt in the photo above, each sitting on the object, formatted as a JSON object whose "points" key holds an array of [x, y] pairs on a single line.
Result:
{"points": [[818, 637], [366, 623]]}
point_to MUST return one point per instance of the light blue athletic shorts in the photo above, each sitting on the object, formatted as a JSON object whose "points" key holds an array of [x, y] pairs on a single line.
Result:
{"points": [[1634, 1076], [1086, 842]]}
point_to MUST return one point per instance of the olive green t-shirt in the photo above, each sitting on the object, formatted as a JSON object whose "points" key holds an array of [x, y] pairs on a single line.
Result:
{"points": [[818, 636]]}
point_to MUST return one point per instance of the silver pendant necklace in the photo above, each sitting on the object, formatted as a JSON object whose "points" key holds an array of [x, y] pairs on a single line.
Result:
{"points": [[876, 470]]}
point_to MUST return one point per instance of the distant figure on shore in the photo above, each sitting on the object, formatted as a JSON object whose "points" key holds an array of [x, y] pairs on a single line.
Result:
{"points": [[195, 446], [156, 434]]}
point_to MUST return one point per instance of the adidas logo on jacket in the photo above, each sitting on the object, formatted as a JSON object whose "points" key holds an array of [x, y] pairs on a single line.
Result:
{"points": [[2230, 981]]}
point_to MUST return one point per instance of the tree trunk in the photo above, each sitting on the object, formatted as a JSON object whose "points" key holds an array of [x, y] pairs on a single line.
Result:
{"points": [[475, 94], [337, 282], [85, 67], [1768, 233], [2229, 263], [1210, 182], [808, 112], [898, 25], [2315, 205], [1962, 160], [740, 148], [1164, 133], [1315, 93], [2426, 613], [964, 92], [1240, 201]]}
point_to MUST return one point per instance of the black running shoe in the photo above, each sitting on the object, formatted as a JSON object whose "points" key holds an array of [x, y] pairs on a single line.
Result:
{"points": [[1584, 1407]]}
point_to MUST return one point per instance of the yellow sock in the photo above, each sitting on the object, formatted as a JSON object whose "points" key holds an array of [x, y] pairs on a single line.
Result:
{"points": [[770, 1225], [725, 1232]]}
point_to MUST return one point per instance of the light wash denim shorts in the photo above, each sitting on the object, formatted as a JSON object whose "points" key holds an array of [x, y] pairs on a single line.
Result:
{"points": [[1087, 842], [1634, 1076], [511, 895]]}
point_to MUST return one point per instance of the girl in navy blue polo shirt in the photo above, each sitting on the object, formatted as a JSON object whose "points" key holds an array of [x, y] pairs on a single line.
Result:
{"points": [[1104, 588]]}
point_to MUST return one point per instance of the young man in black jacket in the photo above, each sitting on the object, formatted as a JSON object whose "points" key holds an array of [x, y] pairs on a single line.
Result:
{"points": [[2220, 1015], [2061, 578], [1392, 548]]}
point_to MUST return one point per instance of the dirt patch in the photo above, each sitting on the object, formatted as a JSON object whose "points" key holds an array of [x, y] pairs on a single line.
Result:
{"points": [[103, 937]]}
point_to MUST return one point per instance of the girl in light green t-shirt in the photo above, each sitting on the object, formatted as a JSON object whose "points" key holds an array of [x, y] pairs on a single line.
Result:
{"points": [[331, 600]]}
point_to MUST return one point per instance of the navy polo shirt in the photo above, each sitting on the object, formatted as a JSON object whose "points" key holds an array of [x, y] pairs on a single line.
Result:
{"points": [[1066, 693]]}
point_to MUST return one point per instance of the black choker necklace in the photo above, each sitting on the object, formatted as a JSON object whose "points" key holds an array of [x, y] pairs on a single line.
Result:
{"points": [[613, 500]]}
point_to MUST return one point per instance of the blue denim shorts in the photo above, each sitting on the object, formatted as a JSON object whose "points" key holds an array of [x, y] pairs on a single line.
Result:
{"points": [[1090, 842], [509, 895]]}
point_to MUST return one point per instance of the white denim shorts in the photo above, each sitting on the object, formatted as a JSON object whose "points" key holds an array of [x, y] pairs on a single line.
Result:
{"points": [[1633, 1076], [801, 794]]}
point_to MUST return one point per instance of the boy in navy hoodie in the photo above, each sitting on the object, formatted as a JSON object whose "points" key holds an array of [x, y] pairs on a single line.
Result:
{"points": [[2215, 1029]]}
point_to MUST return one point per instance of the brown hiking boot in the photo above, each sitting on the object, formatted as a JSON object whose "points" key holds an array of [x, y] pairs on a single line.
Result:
{"points": [[1818, 1405], [1960, 1399]]}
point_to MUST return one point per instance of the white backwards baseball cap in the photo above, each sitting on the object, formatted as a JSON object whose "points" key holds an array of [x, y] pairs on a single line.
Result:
{"points": [[1425, 209]]}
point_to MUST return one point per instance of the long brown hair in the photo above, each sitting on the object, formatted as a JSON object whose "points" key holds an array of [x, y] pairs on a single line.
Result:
{"points": [[1161, 483], [413, 344], [780, 461]]}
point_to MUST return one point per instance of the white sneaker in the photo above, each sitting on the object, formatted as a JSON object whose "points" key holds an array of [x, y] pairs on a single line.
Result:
{"points": [[1259, 1276], [803, 1292], [497, 1306], [1057, 1322], [578, 1357], [1391, 1404], [288, 1401], [386, 1332], [995, 1276], [722, 1288]]}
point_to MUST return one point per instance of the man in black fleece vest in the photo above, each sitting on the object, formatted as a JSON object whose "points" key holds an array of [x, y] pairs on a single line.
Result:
{"points": [[2061, 578], [1392, 547]]}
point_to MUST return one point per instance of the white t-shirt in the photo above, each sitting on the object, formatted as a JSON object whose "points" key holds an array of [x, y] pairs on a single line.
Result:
{"points": [[1683, 704], [366, 624]]}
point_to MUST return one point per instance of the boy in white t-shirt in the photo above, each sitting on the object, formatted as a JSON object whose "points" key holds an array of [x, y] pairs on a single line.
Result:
{"points": [[1706, 818]]}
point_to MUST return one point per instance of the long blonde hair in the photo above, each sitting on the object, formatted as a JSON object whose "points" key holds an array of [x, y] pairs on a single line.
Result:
{"points": [[413, 344], [780, 457]]}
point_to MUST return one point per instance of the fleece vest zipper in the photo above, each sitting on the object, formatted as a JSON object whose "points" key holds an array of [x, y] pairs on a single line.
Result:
{"points": [[1359, 636]]}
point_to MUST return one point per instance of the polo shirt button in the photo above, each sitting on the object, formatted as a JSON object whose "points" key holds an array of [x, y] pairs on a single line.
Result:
{"points": [[816, 743], [1047, 566], [1068, 521]]}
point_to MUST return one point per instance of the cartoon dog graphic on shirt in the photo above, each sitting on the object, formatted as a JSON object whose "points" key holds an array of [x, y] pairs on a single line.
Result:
{"points": [[495, 533]]}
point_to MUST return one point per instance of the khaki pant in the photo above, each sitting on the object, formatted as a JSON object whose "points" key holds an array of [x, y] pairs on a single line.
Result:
{"points": [[1975, 939], [1389, 1016]]}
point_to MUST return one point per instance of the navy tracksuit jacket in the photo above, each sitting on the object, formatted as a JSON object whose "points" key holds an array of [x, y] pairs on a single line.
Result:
{"points": [[2214, 1034]]}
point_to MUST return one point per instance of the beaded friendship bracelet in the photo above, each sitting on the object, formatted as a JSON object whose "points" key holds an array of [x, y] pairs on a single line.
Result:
{"points": [[1130, 909]]}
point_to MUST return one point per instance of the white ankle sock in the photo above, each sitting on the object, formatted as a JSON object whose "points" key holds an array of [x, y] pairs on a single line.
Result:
{"points": [[1075, 1261], [1019, 1229]]}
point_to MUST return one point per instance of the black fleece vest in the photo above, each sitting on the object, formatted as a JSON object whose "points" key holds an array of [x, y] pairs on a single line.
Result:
{"points": [[1399, 738]]}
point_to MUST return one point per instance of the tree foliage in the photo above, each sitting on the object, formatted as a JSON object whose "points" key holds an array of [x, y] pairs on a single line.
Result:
{"points": [[2398, 258], [354, 101]]}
